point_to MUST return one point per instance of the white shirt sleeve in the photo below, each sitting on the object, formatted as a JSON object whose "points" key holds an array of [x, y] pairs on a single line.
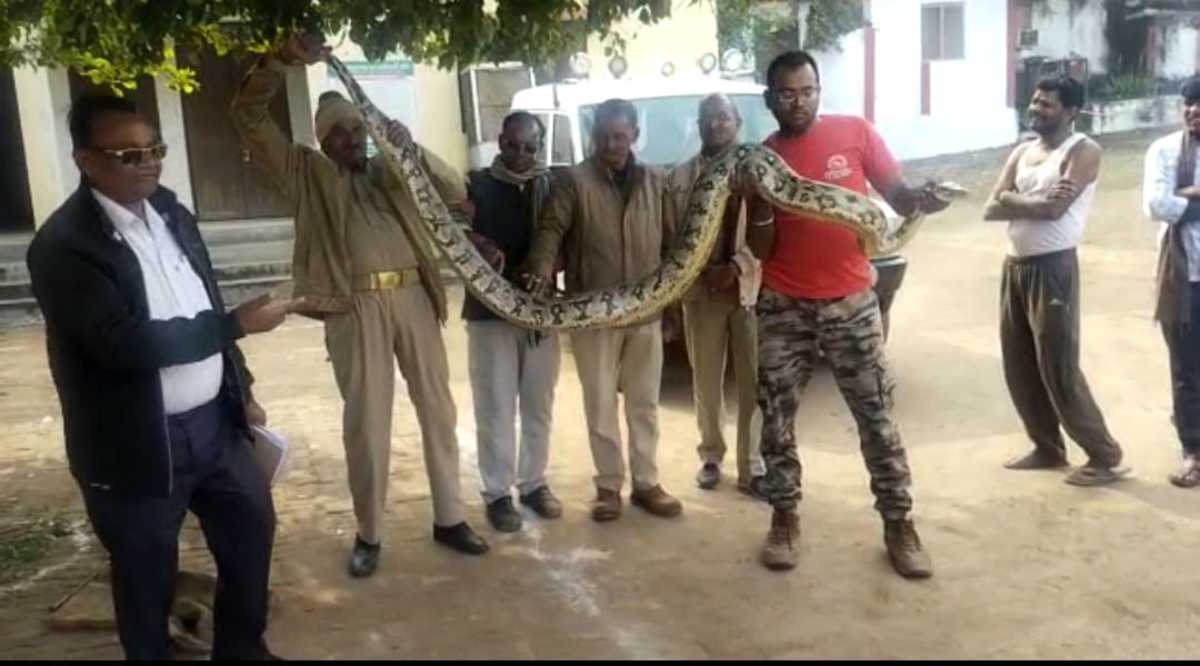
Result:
{"points": [[1159, 200]]}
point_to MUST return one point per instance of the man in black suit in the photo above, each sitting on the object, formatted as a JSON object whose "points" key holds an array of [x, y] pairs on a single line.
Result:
{"points": [[154, 391]]}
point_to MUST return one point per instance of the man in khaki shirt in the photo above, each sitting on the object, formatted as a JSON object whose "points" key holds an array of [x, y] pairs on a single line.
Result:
{"points": [[718, 312], [366, 271], [610, 216]]}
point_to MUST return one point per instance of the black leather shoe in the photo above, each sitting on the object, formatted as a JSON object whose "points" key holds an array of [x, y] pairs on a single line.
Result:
{"points": [[709, 476], [364, 558], [543, 502], [503, 516], [461, 538]]}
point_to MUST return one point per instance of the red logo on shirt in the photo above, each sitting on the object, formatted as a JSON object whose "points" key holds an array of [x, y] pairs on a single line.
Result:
{"points": [[837, 168]]}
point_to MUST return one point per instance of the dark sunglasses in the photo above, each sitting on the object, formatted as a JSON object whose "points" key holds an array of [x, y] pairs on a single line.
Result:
{"points": [[135, 156], [527, 148]]}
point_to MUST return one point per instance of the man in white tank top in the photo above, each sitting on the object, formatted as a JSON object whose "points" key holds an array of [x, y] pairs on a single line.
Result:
{"points": [[1044, 193]]}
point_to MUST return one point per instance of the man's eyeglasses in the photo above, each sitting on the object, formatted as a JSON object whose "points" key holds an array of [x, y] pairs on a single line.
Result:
{"points": [[136, 156], [790, 96]]}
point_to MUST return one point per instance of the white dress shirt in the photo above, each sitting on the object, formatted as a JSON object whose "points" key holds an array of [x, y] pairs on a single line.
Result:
{"points": [[1160, 202], [173, 289]]}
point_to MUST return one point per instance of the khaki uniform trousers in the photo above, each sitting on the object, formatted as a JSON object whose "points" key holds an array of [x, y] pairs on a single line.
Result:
{"points": [[382, 324], [629, 359], [715, 326]]}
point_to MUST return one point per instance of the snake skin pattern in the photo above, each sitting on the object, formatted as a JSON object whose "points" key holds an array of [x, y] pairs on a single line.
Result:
{"points": [[636, 301]]}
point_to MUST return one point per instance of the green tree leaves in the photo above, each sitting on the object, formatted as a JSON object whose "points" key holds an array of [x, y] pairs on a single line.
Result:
{"points": [[114, 42]]}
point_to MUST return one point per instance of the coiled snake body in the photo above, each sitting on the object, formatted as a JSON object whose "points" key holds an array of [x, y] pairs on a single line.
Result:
{"points": [[633, 302]]}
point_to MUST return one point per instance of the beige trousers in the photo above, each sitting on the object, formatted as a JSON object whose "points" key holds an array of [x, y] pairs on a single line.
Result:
{"points": [[361, 344], [715, 326], [629, 359]]}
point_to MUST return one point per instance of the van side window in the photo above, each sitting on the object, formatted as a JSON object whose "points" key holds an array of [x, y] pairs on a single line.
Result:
{"points": [[544, 153], [560, 151]]}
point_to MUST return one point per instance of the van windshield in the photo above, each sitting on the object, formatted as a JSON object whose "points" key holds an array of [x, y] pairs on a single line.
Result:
{"points": [[669, 134]]}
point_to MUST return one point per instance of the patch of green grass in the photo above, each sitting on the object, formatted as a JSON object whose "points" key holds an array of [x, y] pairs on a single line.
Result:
{"points": [[24, 543]]}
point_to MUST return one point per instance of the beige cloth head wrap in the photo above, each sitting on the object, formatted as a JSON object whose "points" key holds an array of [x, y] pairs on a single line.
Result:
{"points": [[334, 111]]}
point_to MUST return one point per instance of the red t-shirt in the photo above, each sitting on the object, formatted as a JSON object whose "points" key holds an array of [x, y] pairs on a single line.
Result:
{"points": [[814, 259]]}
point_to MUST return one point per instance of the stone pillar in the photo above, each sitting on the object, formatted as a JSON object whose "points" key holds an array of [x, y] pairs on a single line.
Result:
{"points": [[177, 173], [43, 100]]}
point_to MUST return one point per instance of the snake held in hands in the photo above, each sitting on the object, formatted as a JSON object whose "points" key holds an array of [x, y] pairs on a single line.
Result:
{"points": [[629, 303]]}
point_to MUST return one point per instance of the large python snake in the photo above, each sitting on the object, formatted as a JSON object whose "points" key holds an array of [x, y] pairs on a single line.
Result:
{"points": [[636, 301]]}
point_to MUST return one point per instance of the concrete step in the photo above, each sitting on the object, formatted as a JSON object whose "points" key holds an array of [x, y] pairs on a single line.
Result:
{"points": [[215, 234], [19, 312], [13, 271], [15, 290], [242, 232], [250, 253], [13, 246]]}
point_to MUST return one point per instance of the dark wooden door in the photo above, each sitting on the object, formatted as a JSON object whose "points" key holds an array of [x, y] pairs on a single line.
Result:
{"points": [[226, 184], [16, 209]]}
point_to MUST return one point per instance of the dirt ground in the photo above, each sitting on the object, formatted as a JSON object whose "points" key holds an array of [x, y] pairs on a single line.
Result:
{"points": [[1027, 567]]}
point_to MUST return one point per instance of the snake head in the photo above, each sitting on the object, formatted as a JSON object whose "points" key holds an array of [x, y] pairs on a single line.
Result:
{"points": [[948, 190]]}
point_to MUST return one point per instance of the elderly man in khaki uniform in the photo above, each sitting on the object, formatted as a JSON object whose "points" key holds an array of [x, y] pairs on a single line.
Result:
{"points": [[718, 313], [370, 276], [610, 216]]}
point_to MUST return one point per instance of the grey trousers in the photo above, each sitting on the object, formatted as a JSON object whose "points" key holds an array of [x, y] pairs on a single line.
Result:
{"points": [[506, 371]]}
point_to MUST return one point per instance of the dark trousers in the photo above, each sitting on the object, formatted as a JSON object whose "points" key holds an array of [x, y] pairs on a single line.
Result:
{"points": [[1039, 337], [1183, 348], [217, 479]]}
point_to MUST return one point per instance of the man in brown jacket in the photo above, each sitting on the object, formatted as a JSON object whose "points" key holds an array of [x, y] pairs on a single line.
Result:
{"points": [[369, 274], [610, 216]]}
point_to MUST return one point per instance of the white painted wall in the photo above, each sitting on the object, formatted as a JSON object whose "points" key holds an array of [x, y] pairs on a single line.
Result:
{"points": [[1134, 114], [968, 110], [1064, 30], [843, 75], [177, 173], [43, 98], [689, 33], [1180, 56]]}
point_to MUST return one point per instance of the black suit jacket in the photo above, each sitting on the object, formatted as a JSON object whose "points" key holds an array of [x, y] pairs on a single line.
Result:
{"points": [[105, 353]]}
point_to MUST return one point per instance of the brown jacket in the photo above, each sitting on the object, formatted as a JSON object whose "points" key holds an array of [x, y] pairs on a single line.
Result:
{"points": [[607, 236], [321, 194]]}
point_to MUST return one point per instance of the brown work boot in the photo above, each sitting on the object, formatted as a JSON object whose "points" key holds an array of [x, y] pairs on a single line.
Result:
{"points": [[904, 549], [656, 502], [779, 551], [606, 506]]}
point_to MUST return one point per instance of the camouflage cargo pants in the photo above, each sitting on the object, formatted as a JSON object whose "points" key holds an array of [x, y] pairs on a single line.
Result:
{"points": [[850, 332]]}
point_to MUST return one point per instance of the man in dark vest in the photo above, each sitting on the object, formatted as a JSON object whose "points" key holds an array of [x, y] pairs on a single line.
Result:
{"points": [[511, 367]]}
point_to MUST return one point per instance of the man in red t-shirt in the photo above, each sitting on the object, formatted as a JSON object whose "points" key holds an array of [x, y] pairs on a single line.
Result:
{"points": [[817, 296]]}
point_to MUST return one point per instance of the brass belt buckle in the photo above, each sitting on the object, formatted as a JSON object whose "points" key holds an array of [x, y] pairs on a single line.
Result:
{"points": [[390, 280]]}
